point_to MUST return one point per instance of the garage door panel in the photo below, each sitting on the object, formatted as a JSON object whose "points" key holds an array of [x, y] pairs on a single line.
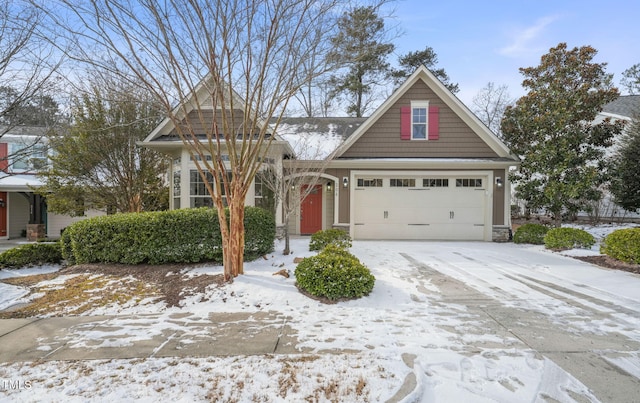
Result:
{"points": [[446, 213]]}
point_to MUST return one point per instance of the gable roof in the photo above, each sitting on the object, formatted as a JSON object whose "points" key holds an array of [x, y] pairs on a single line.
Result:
{"points": [[624, 107], [199, 98], [424, 75]]}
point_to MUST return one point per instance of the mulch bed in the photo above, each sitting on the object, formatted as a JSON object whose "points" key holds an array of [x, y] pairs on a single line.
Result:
{"points": [[610, 263]]}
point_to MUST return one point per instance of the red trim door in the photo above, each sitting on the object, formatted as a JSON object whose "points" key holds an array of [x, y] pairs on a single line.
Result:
{"points": [[311, 210], [3, 214]]}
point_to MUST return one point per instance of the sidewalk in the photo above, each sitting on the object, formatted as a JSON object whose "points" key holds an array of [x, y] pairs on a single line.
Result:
{"points": [[63, 338]]}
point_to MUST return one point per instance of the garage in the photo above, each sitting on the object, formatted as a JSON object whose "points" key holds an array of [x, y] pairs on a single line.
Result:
{"points": [[443, 206]]}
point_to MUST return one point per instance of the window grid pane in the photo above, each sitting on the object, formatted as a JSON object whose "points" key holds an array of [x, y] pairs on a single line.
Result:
{"points": [[419, 129], [405, 183], [377, 182], [435, 182]]}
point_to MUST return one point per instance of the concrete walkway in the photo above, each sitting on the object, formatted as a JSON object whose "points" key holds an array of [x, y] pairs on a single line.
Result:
{"points": [[224, 334]]}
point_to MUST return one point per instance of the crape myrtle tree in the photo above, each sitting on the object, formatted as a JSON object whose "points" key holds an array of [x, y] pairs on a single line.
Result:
{"points": [[361, 47], [625, 168], [552, 129], [428, 58], [246, 58], [96, 162]]}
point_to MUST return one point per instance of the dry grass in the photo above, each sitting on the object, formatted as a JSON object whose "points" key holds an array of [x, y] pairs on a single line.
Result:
{"points": [[78, 294]]}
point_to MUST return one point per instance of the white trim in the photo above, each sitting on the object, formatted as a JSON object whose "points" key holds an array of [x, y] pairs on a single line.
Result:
{"points": [[420, 105], [336, 196], [420, 163]]}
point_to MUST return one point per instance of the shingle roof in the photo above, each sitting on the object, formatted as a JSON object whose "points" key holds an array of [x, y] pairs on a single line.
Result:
{"points": [[626, 105]]}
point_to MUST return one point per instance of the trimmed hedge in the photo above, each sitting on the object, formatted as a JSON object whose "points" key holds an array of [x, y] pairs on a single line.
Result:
{"points": [[530, 233], [568, 238], [176, 236], [338, 237], [334, 273], [623, 244], [31, 255]]}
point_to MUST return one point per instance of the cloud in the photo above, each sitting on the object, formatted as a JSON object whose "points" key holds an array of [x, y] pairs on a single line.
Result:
{"points": [[525, 40]]}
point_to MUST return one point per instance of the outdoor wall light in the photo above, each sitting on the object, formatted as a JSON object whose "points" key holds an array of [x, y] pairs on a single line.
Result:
{"points": [[345, 181], [328, 186], [498, 182]]}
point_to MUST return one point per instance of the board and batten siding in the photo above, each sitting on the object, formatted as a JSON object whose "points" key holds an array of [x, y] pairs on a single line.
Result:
{"points": [[456, 139]]}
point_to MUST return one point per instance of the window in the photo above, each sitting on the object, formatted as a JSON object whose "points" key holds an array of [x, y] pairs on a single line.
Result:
{"points": [[402, 183], [419, 120], [435, 183], [370, 183], [27, 157], [198, 190], [264, 195], [468, 183]]}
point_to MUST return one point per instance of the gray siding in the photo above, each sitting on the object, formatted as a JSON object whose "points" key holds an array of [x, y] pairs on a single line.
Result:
{"points": [[456, 140], [201, 124]]}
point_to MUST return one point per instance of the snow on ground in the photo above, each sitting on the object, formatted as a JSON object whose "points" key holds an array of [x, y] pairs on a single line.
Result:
{"points": [[11, 294], [403, 327]]}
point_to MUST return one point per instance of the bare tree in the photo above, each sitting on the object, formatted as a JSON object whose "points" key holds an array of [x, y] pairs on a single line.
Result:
{"points": [[489, 105], [292, 183], [228, 65], [27, 67]]}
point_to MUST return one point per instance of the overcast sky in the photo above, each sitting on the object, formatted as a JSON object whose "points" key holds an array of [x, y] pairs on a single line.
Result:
{"points": [[482, 41]]}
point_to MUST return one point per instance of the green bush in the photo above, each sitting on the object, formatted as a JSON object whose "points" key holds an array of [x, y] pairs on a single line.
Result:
{"points": [[32, 254], [334, 273], [530, 233], [177, 236], [623, 244], [337, 237], [568, 238]]}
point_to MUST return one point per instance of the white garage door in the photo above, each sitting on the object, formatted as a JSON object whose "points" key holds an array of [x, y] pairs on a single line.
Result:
{"points": [[420, 207]]}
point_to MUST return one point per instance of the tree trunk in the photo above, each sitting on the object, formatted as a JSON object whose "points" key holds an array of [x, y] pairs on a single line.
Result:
{"points": [[236, 237], [287, 247]]}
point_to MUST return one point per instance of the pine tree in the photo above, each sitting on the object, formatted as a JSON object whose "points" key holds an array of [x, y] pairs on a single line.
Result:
{"points": [[427, 58], [361, 46]]}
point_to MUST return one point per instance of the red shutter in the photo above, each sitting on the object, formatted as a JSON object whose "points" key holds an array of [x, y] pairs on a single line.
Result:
{"points": [[405, 123], [4, 162], [434, 125]]}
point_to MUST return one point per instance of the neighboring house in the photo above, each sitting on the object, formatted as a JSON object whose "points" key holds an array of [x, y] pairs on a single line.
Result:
{"points": [[23, 213], [625, 108], [421, 167]]}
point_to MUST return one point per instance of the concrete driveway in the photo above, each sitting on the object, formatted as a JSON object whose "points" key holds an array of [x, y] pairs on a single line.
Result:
{"points": [[584, 318]]}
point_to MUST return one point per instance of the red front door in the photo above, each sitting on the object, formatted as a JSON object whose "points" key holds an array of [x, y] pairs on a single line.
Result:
{"points": [[311, 210], [3, 214]]}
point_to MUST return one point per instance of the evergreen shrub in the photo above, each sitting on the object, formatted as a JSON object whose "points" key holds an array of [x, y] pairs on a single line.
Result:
{"points": [[334, 273], [623, 244], [568, 238], [176, 236], [32, 254], [530, 233], [333, 236]]}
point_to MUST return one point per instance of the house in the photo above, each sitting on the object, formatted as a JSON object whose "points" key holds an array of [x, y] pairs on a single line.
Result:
{"points": [[23, 213], [421, 167], [625, 108]]}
